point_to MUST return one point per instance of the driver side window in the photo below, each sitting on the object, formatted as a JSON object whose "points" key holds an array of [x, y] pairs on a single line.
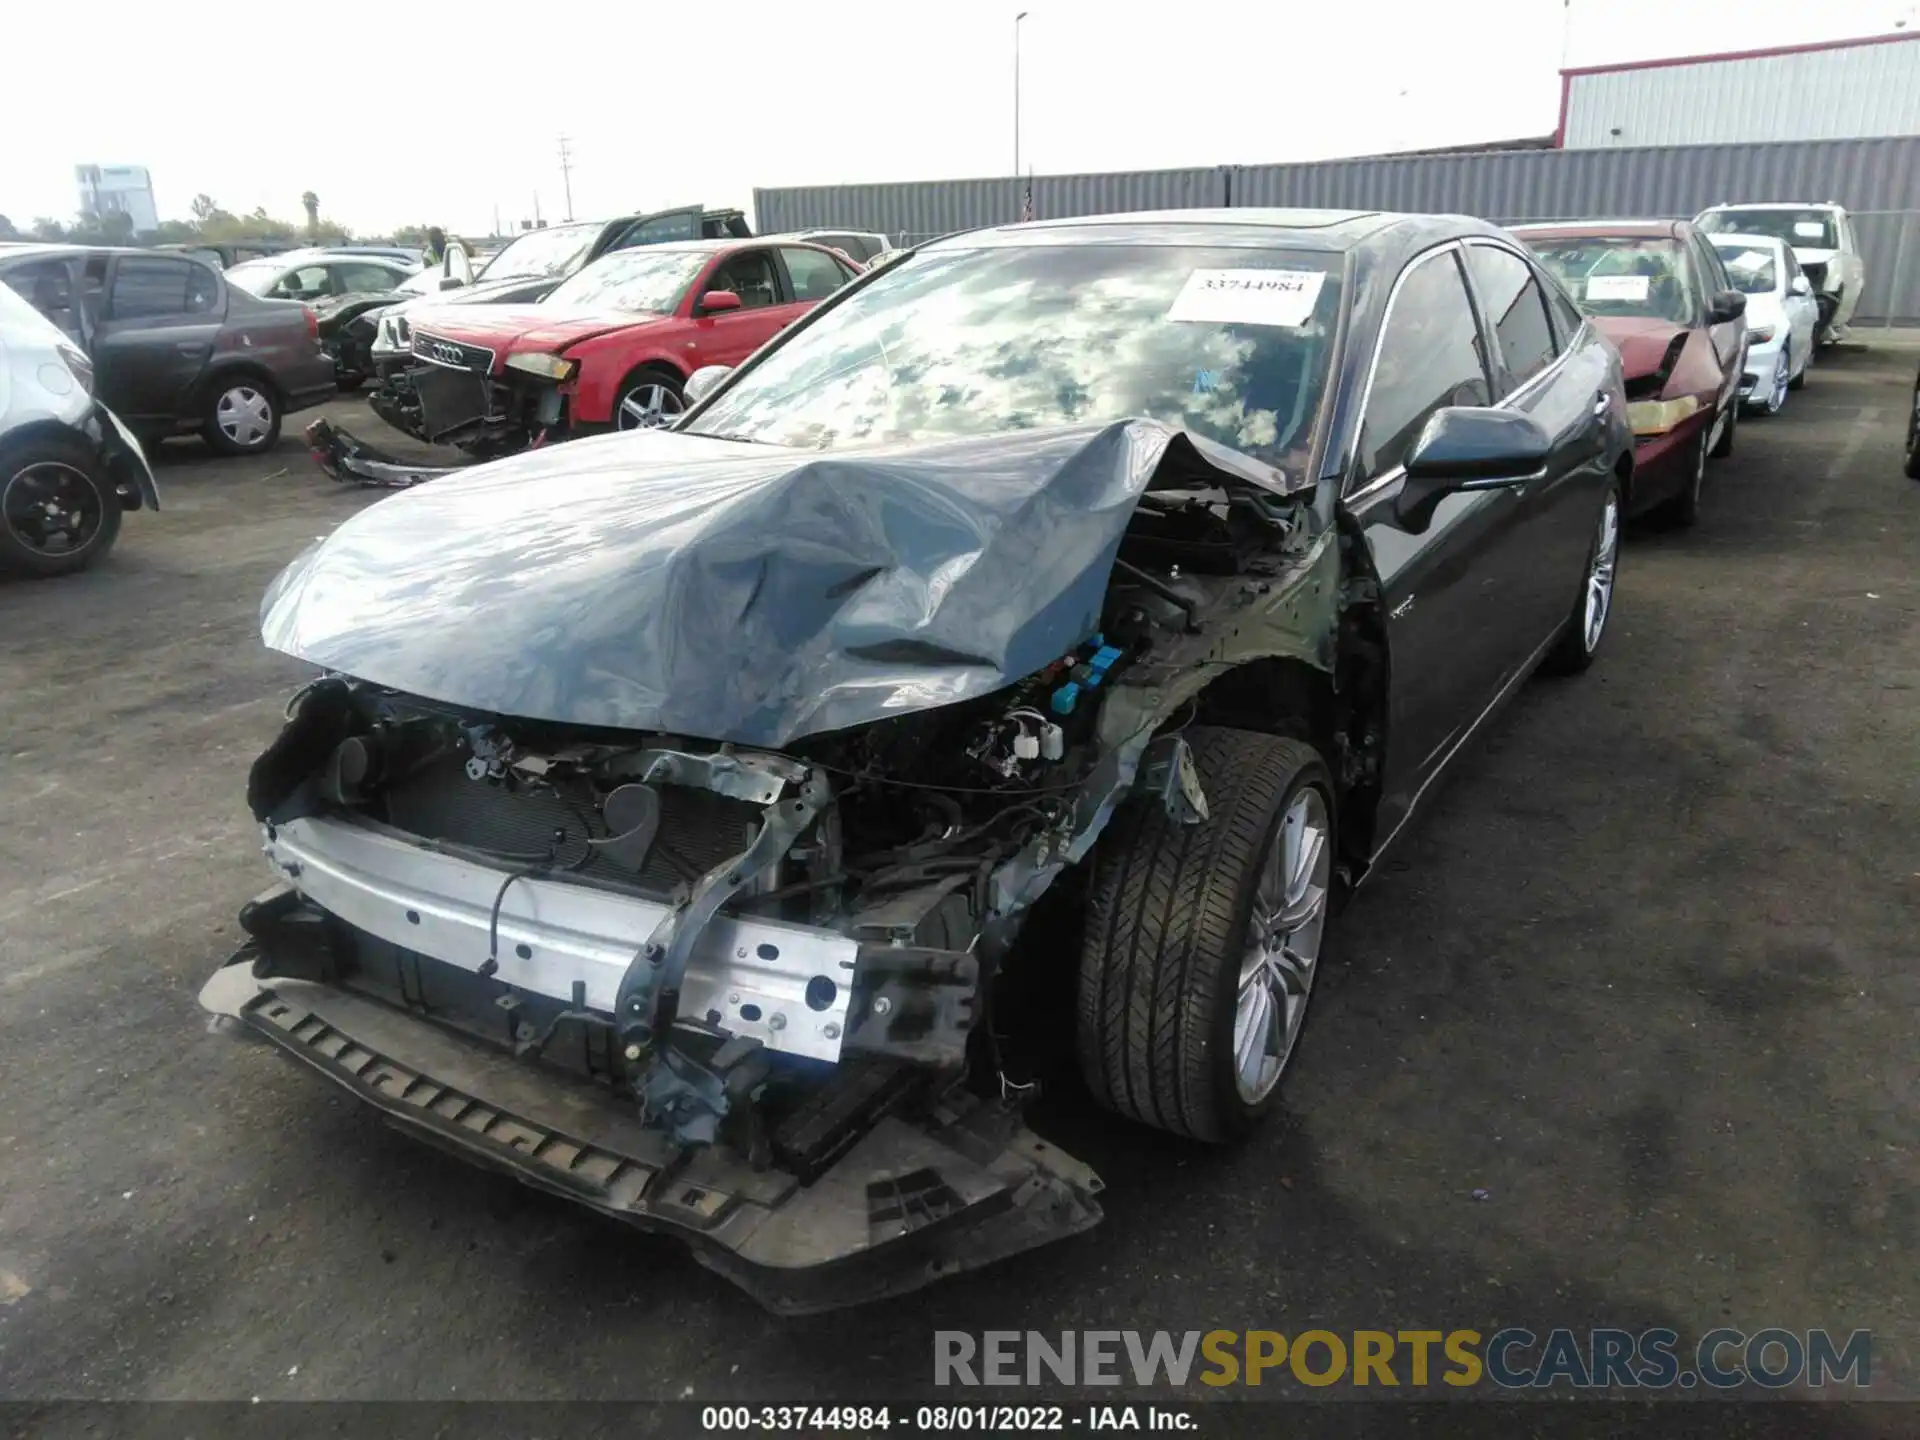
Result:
{"points": [[750, 276], [1430, 356]]}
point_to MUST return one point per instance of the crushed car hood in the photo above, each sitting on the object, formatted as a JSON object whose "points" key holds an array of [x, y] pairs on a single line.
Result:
{"points": [[511, 329], [1642, 343], [736, 592], [482, 292]]}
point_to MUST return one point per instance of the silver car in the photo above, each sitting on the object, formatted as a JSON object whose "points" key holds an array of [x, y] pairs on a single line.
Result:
{"points": [[68, 467]]}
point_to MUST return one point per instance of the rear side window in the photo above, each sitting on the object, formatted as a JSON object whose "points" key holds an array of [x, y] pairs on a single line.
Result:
{"points": [[364, 277], [661, 229], [1515, 309], [1567, 318], [815, 274], [1429, 357], [146, 287]]}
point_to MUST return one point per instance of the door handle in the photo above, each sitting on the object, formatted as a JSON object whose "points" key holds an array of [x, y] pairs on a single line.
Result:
{"points": [[192, 349]]}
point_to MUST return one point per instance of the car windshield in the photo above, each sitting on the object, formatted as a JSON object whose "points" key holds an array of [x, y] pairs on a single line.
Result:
{"points": [[647, 281], [554, 251], [1806, 229], [1751, 267], [1621, 275], [1231, 343], [256, 277]]}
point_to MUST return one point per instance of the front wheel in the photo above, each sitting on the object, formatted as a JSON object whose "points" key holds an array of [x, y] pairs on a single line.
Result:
{"points": [[1723, 447], [1799, 381], [1202, 941], [1587, 626], [649, 400], [243, 417], [59, 511], [1776, 397]]}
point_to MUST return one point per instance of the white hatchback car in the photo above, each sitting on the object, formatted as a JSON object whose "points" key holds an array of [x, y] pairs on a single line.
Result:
{"points": [[1824, 243], [1782, 316]]}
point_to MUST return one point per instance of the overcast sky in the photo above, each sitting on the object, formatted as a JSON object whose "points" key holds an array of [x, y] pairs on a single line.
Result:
{"points": [[669, 104]]}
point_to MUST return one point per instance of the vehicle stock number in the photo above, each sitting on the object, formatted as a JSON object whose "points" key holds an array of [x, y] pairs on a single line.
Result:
{"points": [[988, 1419]]}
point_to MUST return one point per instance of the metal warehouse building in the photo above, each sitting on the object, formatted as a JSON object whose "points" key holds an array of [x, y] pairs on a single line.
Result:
{"points": [[1844, 90], [1836, 122]]}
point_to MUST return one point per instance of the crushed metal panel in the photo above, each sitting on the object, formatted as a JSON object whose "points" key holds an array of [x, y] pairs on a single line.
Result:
{"points": [[746, 593]]}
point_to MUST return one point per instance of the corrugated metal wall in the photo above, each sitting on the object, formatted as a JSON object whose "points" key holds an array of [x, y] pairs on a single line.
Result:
{"points": [[919, 210], [1834, 94], [1508, 185], [1878, 179]]}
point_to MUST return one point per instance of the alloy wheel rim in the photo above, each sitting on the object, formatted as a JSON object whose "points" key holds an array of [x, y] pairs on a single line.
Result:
{"points": [[1606, 550], [648, 407], [244, 415], [1282, 951], [52, 508]]}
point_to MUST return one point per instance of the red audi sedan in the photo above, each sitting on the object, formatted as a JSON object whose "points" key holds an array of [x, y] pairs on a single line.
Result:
{"points": [[612, 347], [1659, 292]]}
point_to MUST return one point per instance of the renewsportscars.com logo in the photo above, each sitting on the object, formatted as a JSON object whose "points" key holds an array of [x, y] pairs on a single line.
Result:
{"points": [[1514, 1358]]}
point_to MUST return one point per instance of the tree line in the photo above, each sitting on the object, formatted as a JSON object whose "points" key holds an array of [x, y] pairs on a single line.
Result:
{"points": [[210, 224]]}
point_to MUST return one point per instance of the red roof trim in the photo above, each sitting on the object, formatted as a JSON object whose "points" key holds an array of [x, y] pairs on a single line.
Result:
{"points": [[1741, 54]]}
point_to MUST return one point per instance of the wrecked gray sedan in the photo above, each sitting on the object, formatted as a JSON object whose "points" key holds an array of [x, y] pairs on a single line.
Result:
{"points": [[672, 820]]}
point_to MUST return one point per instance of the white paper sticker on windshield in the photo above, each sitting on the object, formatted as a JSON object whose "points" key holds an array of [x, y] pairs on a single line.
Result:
{"points": [[1248, 297], [1618, 287], [1750, 260], [1809, 229]]}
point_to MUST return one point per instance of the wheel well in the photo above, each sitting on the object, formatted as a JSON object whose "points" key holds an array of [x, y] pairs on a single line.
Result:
{"points": [[656, 367], [1341, 715], [40, 430]]}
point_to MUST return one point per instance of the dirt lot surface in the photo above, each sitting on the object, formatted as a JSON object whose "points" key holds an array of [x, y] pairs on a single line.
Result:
{"points": [[1645, 975]]}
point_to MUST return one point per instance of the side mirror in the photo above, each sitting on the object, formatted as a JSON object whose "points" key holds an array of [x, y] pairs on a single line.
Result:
{"points": [[715, 301], [1800, 286], [1726, 305], [704, 381], [1469, 447]]}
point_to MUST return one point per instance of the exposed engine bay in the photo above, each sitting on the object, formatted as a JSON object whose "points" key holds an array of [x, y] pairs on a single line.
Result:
{"points": [[770, 955]]}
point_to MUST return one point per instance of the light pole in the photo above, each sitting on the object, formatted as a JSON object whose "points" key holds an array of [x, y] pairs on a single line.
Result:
{"points": [[1016, 90]]}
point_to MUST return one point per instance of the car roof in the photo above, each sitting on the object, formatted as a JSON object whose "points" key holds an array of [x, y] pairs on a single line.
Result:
{"points": [[1780, 205], [1605, 229], [1329, 230], [1734, 237]]}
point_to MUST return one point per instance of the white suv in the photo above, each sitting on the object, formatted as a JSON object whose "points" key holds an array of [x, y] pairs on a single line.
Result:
{"points": [[1823, 242]]}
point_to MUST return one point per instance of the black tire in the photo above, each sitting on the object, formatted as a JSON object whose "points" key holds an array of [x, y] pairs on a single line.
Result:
{"points": [[1168, 914], [1683, 510], [1913, 435], [19, 552], [1799, 382], [249, 430], [1723, 447], [670, 385], [349, 382], [1575, 653]]}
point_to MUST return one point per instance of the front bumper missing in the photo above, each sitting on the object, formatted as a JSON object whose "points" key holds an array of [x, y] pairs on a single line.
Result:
{"points": [[907, 1202], [353, 461], [789, 987]]}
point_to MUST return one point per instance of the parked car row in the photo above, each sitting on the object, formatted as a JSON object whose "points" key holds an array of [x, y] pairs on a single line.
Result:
{"points": [[612, 345]]}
